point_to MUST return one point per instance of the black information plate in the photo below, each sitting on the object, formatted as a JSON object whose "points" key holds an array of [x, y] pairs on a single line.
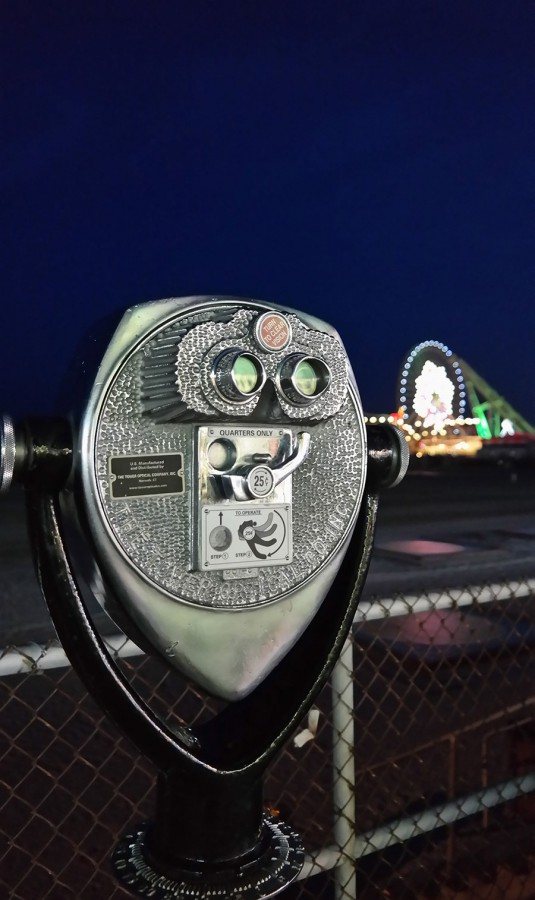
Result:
{"points": [[146, 476]]}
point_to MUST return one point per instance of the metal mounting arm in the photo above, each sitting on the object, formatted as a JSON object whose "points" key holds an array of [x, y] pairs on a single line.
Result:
{"points": [[209, 802]]}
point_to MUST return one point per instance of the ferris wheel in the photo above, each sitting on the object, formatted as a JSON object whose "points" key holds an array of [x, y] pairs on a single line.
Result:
{"points": [[431, 385]]}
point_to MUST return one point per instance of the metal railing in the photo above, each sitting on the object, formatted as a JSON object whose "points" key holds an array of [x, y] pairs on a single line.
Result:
{"points": [[414, 774]]}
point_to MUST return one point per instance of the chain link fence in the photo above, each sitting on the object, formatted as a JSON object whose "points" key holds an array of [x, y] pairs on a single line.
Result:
{"points": [[413, 776]]}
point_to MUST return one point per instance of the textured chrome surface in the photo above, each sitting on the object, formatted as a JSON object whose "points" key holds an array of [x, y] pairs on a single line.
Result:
{"points": [[146, 546], [7, 453], [155, 532], [270, 874], [177, 374]]}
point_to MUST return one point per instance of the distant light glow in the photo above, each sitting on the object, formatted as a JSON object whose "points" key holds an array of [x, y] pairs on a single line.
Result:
{"points": [[507, 429], [433, 398]]}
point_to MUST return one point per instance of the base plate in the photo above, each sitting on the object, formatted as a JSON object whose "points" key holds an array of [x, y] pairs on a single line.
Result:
{"points": [[278, 865]]}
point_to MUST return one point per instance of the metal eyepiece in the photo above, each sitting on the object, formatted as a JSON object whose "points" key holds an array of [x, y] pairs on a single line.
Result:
{"points": [[8, 452], [303, 379], [238, 375]]}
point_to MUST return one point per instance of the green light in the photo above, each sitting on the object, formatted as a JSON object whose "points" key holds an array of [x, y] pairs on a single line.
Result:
{"points": [[245, 374], [306, 379]]}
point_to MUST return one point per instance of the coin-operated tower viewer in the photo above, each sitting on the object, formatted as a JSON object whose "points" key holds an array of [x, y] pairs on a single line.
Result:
{"points": [[217, 495]]}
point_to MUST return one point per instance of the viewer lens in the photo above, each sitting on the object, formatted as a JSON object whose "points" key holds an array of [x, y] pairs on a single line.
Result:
{"points": [[246, 374], [303, 378], [237, 375], [306, 379]]}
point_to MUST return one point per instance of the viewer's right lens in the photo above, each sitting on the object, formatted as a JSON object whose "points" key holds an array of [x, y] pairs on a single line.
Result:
{"points": [[306, 378], [303, 378]]}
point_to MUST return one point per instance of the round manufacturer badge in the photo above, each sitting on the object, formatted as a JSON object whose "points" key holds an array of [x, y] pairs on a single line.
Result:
{"points": [[272, 331]]}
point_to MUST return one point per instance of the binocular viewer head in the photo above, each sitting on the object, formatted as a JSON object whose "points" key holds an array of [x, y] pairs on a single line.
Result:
{"points": [[218, 471]]}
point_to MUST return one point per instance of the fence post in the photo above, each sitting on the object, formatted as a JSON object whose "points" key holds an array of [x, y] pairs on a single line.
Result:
{"points": [[344, 772]]}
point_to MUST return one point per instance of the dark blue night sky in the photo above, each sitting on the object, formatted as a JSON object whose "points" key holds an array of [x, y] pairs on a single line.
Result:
{"points": [[370, 162]]}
